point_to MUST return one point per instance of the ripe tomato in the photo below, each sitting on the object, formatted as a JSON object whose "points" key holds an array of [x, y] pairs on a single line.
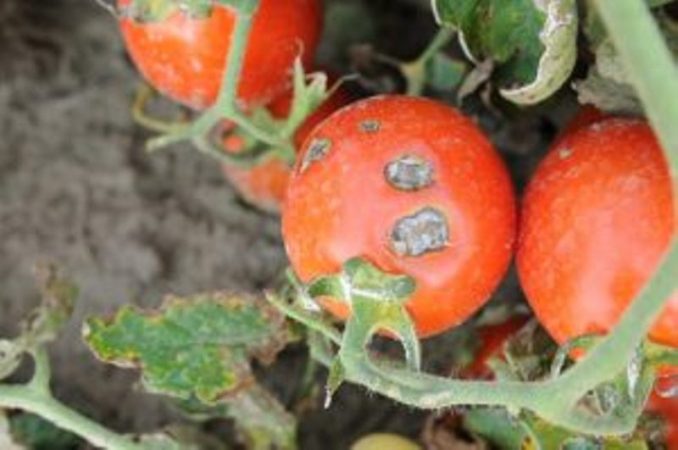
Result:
{"points": [[586, 115], [265, 184], [667, 409], [415, 188], [597, 217], [184, 57]]}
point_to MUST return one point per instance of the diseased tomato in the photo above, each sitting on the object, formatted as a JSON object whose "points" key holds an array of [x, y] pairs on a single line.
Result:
{"points": [[264, 185], [184, 57], [597, 217], [415, 188], [667, 410]]}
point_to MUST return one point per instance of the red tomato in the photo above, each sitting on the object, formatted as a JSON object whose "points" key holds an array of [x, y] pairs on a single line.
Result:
{"points": [[586, 115], [265, 184], [184, 57], [597, 217], [415, 188], [491, 340], [667, 409]]}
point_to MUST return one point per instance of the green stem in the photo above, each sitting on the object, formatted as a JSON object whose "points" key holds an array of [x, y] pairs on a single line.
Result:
{"points": [[415, 71], [42, 372], [650, 66], [27, 398], [227, 99]]}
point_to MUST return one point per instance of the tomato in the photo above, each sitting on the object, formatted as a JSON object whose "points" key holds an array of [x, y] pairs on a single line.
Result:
{"points": [[384, 441], [667, 409], [596, 219], [415, 188], [184, 57], [491, 341], [264, 185], [586, 115]]}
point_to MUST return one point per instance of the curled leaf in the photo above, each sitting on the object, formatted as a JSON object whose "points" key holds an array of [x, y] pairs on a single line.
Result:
{"points": [[559, 37], [532, 43]]}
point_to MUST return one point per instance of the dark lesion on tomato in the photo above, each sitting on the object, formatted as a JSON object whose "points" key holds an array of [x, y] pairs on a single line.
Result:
{"points": [[422, 232], [370, 126], [317, 150], [409, 173]]}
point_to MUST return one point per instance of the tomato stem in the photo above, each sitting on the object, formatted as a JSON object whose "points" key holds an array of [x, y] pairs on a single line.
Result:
{"points": [[36, 398], [415, 71]]}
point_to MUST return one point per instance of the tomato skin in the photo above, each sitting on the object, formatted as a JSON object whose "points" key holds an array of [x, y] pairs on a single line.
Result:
{"points": [[265, 184], [667, 408], [184, 57], [342, 206], [596, 219]]}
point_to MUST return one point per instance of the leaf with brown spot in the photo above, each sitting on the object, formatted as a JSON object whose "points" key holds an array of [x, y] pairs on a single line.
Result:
{"points": [[194, 346]]}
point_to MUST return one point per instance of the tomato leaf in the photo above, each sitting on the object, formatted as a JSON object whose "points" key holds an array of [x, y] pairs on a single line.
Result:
{"points": [[195, 346], [531, 42], [607, 85]]}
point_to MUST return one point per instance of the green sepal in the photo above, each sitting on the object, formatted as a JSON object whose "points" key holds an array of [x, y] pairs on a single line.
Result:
{"points": [[361, 278], [310, 90], [661, 355], [148, 11], [532, 43], [335, 379], [377, 300], [196, 346]]}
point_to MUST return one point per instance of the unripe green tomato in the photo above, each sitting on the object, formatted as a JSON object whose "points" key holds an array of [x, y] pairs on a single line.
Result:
{"points": [[384, 441]]}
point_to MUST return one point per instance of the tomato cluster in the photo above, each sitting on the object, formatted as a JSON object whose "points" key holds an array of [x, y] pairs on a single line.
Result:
{"points": [[415, 188]]}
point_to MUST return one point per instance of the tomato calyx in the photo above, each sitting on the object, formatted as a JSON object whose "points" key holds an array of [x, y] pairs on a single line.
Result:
{"points": [[377, 300], [146, 11]]}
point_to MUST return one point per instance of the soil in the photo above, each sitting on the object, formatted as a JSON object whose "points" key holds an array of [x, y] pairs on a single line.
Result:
{"points": [[77, 189]]}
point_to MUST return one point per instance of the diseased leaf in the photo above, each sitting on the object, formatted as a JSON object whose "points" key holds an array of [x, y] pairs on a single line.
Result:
{"points": [[559, 36], [607, 85], [532, 43], [196, 346]]}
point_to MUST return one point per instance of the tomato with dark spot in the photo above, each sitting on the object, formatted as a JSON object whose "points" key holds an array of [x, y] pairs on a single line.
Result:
{"points": [[342, 206], [597, 217], [265, 184], [184, 57]]}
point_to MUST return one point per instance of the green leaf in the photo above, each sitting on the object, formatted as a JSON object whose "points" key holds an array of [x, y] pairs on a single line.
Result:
{"points": [[37, 433], [496, 426], [531, 42], [195, 346]]}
